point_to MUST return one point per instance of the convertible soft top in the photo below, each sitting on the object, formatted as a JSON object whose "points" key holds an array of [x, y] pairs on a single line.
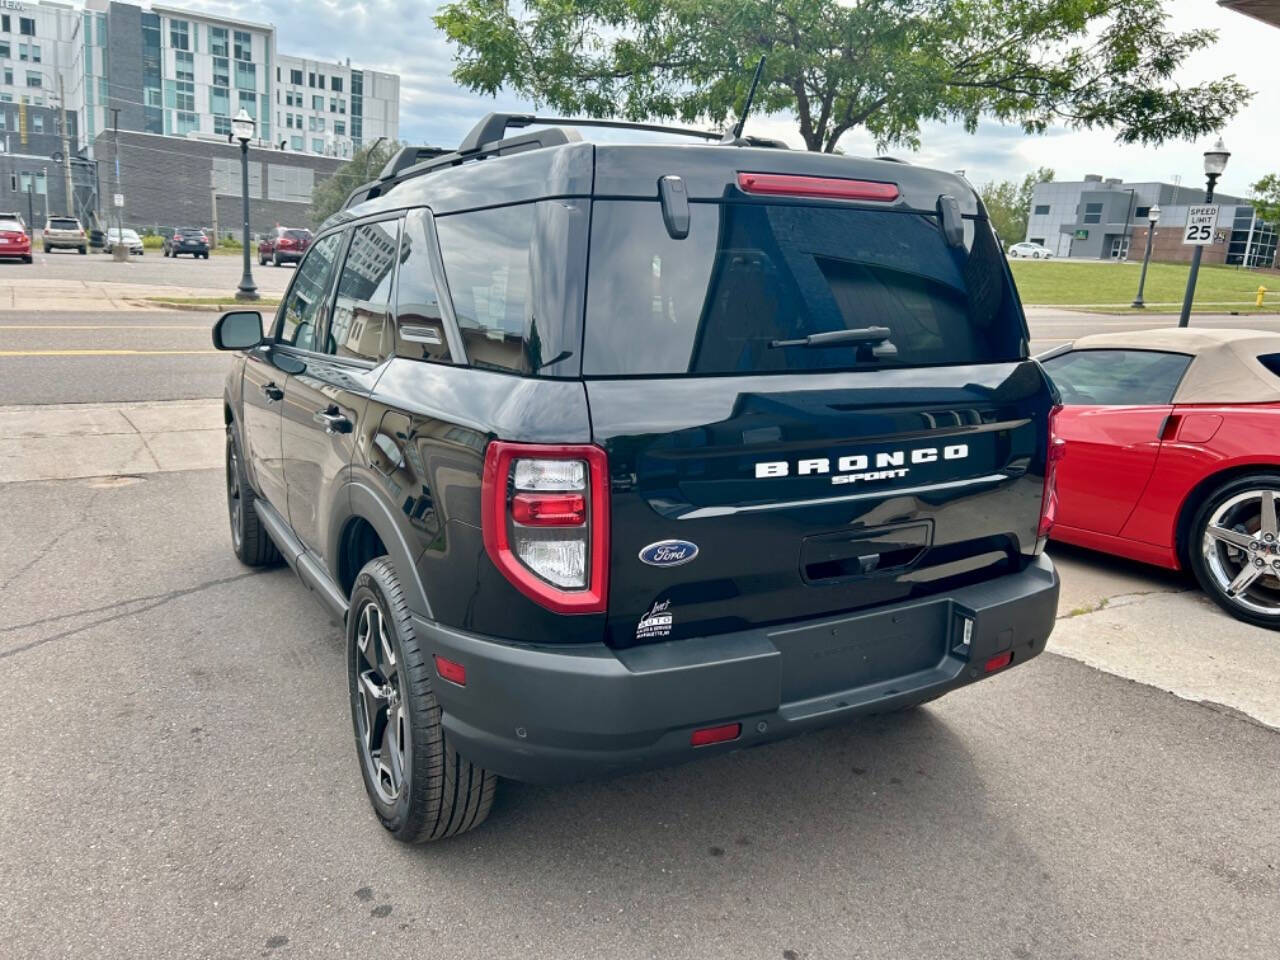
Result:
{"points": [[1226, 368]]}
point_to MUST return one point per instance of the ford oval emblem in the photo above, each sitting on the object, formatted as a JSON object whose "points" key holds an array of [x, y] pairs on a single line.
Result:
{"points": [[669, 553]]}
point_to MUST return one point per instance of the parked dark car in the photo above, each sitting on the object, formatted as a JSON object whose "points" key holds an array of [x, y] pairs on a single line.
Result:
{"points": [[192, 240], [612, 456], [284, 245]]}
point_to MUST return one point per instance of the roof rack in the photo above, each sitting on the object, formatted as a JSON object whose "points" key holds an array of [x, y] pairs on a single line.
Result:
{"points": [[488, 138]]}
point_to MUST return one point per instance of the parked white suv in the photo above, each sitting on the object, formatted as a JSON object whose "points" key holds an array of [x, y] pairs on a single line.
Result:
{"points": [[1033, 251], [64, 233]]}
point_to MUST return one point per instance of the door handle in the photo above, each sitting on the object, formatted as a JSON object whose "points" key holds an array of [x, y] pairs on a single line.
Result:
{"points": [[272, 392], [332, 420]]}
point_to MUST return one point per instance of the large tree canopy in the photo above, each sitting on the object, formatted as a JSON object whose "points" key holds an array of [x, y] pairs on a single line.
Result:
{"points": [[882, 65], [1008, 204], [328, 195]]}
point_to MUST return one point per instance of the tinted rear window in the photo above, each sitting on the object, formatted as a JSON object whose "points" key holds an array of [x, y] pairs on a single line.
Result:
{"points": [[1271, 361], [296, 234], [750, 274], [64, 224]]}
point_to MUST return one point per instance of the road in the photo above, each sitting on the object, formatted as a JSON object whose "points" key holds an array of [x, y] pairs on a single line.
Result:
{"points": [[178, 778]]}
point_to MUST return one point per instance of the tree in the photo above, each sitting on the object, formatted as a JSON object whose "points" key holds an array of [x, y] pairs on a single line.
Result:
{"points": [[1266, 198], [1008, 203], [328, 196], [884, 66]]}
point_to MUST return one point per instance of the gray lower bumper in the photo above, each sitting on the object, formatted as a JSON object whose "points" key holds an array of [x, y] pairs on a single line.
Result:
{"points": [[547, 714]]}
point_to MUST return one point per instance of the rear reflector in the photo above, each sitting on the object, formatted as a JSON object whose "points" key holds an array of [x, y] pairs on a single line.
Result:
{"points": [[720, 734], [999, 661], [452, 671], [831, 188]]}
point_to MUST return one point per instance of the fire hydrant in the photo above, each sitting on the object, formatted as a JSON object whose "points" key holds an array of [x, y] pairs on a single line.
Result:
{"points": [[1261, 292]]}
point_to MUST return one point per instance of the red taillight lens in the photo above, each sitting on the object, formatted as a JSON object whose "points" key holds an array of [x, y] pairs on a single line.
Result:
{"points": [[451, 670], [829, 188], [545, 514], [1049, 500], [998, 662], [721, 734]]}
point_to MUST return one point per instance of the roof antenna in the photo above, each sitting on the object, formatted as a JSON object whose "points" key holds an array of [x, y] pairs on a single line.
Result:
{"points": [[734, 137]]}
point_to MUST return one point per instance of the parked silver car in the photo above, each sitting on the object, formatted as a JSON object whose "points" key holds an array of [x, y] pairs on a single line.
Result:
{"points": [[127, 238], [64, 233]]}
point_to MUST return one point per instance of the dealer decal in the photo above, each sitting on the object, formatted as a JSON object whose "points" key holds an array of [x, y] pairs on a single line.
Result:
{"points": [[656, 623]]}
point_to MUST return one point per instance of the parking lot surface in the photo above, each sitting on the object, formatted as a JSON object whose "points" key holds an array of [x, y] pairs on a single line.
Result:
{"points": [[178, 775]]}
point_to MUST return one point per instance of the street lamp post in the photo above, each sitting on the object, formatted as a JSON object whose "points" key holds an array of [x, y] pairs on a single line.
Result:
{"points": [[1153, 217], [242, 128], [1215, 162]]}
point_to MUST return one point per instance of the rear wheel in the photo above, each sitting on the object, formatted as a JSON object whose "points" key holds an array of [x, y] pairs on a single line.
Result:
{"points": [[1235, 548], [249, 539], [83, 251], [420, 788]]}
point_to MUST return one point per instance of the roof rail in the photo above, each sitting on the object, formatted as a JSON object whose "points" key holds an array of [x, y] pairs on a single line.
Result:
{"points": [[494, 126], [408, 156]]}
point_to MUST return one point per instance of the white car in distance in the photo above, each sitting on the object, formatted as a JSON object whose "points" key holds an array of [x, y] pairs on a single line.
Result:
{"points": [[1032, 251]]}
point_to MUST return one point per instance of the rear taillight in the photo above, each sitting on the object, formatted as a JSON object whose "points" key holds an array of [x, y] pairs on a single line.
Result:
{"points": [[545, 514], [1049, 499], [830, 188]]}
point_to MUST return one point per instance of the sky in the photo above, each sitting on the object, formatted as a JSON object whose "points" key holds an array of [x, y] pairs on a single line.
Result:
{"points": [[399, 36]]}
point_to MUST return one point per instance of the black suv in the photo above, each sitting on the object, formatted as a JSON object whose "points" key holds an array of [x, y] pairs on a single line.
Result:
{"points": [[611, 456]]}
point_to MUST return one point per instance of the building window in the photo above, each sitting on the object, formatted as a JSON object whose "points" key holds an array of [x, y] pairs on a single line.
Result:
{"points": [[317, 145], [179, 35], [295, 77], [24, 51], [34, 78], [184, 96], [1042, 209], [221, 72], [35, 53], [218, 41], [184, 65], [4, 23], [219, 101], [246, 76], [4, 49], [320, 80], [311, 79], [297, 143], [222, 126], [250, 103], [339, 128], [317, 102], [244, 45], [37, 123], [188, 123], [335, 84], [1141, 213], [27, 26], [8, 75], [1093, 213], [4, 120]]}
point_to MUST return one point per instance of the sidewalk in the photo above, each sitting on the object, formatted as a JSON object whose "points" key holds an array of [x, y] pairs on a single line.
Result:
{"points": [[75, 441], [50, 295]]}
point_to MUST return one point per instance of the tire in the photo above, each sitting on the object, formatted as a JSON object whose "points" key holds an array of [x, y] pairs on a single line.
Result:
{"points": [[27, 258], [249, 538], [83, 251], [1035, 256], [275, 259], [439, 794], [1220, 562], [165, 251]]}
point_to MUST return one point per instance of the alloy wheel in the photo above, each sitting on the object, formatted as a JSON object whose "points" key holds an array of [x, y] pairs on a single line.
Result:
{"points": [[1241, 549], [381, 717]]}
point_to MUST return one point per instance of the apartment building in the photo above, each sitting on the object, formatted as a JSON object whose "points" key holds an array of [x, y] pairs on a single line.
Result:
{"points": [[330, 108]]}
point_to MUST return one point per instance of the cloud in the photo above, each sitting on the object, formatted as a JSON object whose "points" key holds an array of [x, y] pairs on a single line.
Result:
{"points": [[400, 37]]}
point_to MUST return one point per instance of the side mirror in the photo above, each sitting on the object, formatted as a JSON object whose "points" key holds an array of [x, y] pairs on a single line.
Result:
{"points": [[238, 330]]}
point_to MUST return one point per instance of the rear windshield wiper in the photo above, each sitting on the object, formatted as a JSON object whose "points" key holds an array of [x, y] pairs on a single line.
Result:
{"points": [[875, 337]]}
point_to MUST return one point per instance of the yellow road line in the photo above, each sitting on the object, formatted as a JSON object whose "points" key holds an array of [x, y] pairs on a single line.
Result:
{"points": [[100, 353]]}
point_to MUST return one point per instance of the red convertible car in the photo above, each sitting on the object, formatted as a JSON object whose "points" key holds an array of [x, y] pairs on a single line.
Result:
{"points": [[1173, 456]]}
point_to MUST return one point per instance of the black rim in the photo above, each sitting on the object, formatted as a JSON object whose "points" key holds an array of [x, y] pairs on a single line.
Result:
{"points": [[235, 503], [382, 723]]}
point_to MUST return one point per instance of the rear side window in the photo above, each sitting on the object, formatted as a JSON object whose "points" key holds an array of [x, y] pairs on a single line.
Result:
{"points": [[362, 304], [750, 275], [301, 311], [1117, 377], [419, 323], [1272, 362]]}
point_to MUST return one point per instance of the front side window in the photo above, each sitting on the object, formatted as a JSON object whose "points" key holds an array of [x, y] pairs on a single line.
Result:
{"points": [[301, 313], [1113, 378], [419, 323], [362, 304]]}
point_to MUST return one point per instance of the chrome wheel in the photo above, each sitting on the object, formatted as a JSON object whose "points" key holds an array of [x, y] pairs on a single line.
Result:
{"points": [[1241, 551], [235, 501], [381, 720]]}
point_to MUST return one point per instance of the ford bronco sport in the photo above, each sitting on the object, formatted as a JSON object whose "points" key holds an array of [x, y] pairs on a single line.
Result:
{"points": [[613, 455]]}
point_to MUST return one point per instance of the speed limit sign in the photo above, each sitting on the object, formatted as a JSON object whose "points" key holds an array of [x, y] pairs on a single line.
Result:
{"points": [[1201, 222]]}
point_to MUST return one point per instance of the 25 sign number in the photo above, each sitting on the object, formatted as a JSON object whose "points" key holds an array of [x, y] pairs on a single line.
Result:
{"points": [[1199, 233]]}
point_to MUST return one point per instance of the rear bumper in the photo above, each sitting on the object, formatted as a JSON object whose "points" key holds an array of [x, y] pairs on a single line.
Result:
{"points": [[547, 715]]}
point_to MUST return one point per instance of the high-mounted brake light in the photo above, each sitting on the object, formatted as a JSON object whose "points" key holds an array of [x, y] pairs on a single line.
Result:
{"points": [[828, 188], [545, 519], [1049, 499]]}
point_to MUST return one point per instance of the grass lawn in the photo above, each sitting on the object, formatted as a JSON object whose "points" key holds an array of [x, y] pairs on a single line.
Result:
{"points": [[1113, 285]]}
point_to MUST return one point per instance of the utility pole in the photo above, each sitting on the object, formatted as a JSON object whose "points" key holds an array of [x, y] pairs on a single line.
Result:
{"points": [[119, 251], [66, 153], [213, 196]]}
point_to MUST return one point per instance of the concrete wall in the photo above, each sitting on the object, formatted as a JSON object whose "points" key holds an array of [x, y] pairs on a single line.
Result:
{"points": [[167, 182]]}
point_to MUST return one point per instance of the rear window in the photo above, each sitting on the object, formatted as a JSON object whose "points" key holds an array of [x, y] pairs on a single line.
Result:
{"points": [[1117, 377], [1271, 361], [296, 234], [751, 274], [64, 224], [10, 225], [190, 230]]}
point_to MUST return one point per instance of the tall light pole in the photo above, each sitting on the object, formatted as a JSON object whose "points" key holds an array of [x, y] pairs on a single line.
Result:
{"points": [[1153, 217], [1215, 162], [242, 128]]}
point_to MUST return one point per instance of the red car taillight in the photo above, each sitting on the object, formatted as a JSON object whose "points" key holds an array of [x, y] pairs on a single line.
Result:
{"points": [[828, 188], [1049, 500], [545, 514]]}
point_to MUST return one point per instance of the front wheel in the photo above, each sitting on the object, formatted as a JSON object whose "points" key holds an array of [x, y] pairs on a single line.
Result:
{"points": [[420, 788], [1235, 548], [249, 538]]}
